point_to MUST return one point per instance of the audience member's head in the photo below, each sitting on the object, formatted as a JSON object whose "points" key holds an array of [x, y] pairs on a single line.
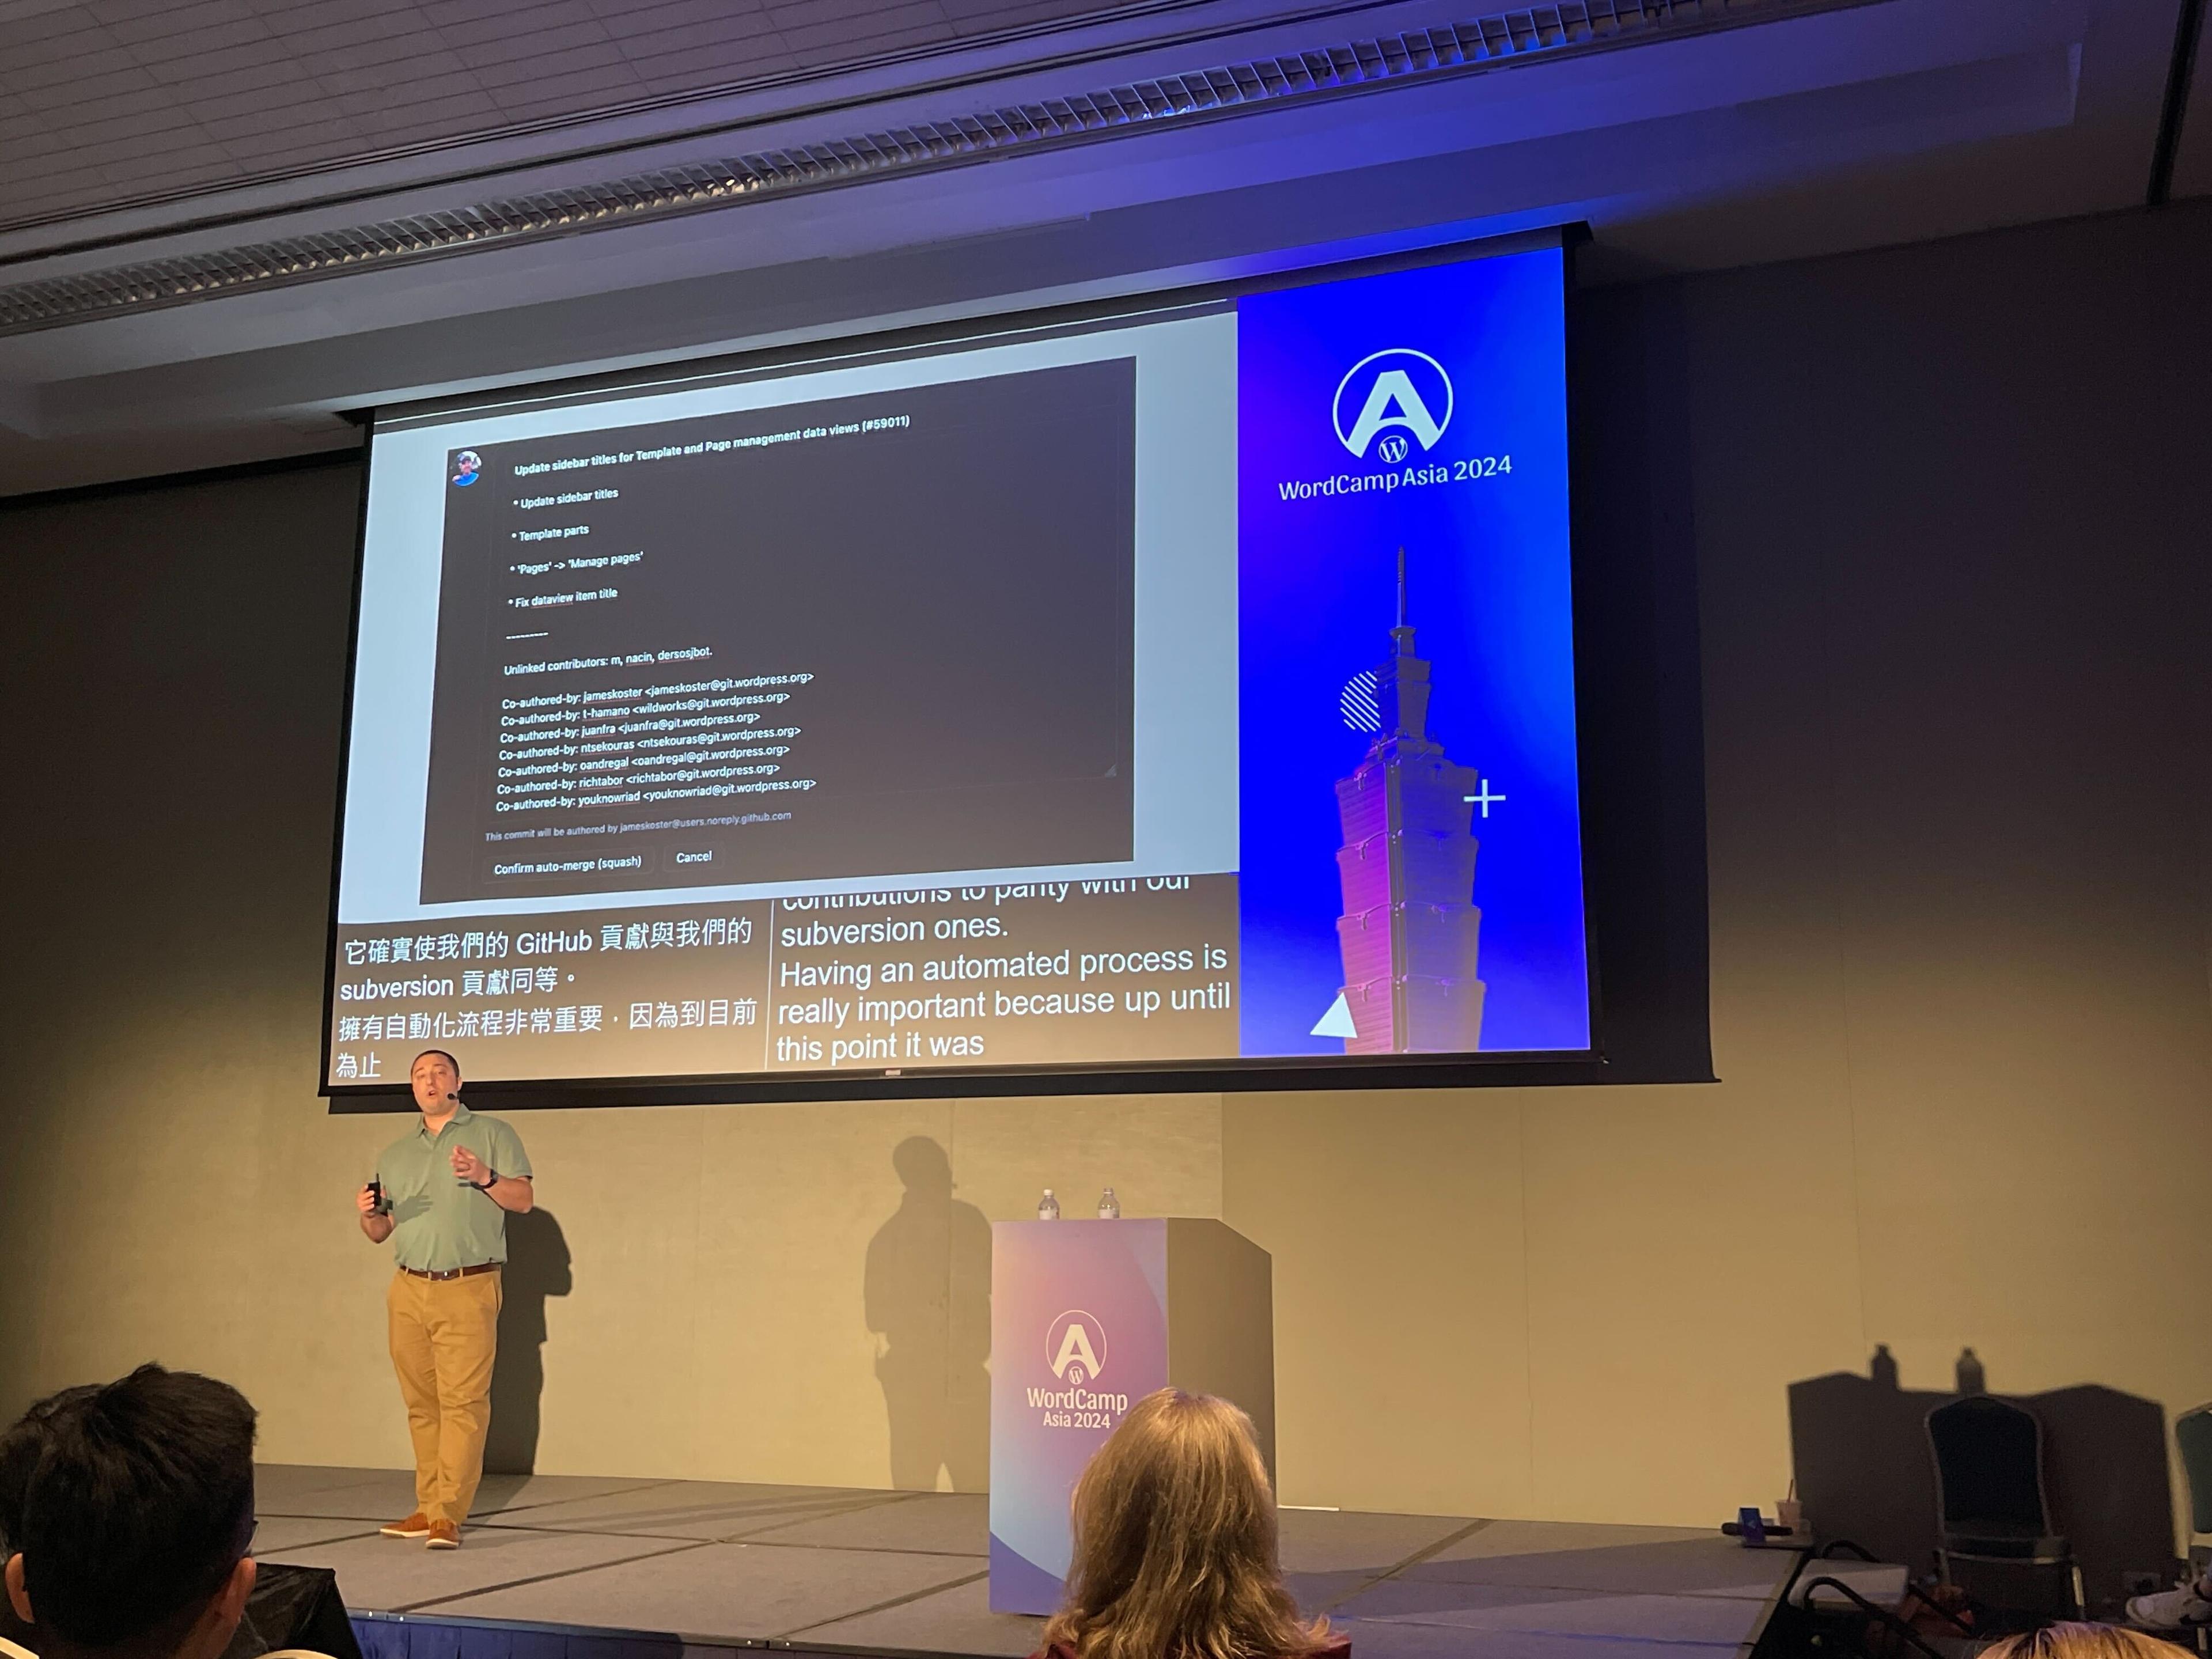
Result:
{"points": [[1175, 1543], [19, 1453], [2082, 1642], [127, 1509]]}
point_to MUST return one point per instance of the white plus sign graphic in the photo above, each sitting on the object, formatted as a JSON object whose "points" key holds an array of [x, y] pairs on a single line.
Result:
{"points": [[1484, 799]]}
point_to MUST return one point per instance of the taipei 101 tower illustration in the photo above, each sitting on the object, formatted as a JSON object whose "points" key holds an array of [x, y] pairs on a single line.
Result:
{"points": [[1410, 929]]}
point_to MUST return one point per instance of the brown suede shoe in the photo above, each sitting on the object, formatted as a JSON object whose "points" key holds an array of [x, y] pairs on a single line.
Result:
{"points": [[416, 1525], [444, 1535]]}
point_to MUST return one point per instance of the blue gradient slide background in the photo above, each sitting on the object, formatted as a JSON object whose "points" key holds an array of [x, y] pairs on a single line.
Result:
{"points": [[1487, 564]]}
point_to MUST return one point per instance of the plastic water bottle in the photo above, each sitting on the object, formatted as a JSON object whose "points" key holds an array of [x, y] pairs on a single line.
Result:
{"points": [[1109, 1207], [1047, 1207]]}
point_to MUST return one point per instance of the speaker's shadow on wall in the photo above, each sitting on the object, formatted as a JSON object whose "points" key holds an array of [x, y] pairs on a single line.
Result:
{"points": [[928, 1295], [537, 1268]]}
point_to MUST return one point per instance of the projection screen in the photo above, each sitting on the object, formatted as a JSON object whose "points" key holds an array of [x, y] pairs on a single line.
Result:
{"points": [[1183, 688]]}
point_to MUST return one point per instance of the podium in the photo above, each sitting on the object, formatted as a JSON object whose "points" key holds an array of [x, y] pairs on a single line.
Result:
{"points": [[1087, 1317]]}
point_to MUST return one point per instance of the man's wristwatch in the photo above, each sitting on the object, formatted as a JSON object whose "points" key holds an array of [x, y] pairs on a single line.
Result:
{"points": [[486, 1186]]}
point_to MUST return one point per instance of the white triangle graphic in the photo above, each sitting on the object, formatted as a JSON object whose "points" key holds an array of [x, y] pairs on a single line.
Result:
{"points": [[1337, 1021]]}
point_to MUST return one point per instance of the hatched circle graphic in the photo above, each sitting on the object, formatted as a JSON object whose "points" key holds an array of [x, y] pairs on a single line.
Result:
{"points": [[1356, 702]]}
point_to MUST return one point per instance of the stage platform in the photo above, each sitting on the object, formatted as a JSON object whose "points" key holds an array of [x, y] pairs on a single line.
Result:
{"points": [[567, 1566]]}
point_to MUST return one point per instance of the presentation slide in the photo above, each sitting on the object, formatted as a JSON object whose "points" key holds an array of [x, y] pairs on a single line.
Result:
{"points": [[1191, 687], [951, 687]]}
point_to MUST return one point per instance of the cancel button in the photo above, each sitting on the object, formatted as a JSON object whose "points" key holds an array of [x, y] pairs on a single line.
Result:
{"points": [[706, 856]]}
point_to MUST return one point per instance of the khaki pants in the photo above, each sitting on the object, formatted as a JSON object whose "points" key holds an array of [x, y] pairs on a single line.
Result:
{"points": [[445, 1334]]}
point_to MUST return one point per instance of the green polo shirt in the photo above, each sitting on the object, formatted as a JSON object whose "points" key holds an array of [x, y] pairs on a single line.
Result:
{"points": [[438, 1221]]}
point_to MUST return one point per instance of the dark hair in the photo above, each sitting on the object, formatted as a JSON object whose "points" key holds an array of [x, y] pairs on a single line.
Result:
{"points": [[19, 1456], [441, 1054], [1176, 1552], [129, 1504]]}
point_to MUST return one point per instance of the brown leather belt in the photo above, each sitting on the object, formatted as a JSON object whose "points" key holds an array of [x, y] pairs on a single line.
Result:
{"points": [[453, 1272]]}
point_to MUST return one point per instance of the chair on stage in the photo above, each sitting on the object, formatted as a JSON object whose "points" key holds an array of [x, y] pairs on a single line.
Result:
{"points": [[2192, 1437], [1992, 1510]]}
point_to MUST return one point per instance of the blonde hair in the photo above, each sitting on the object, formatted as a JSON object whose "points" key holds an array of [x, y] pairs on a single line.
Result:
{"points": [[1175, 1543], [2082, 1642]]}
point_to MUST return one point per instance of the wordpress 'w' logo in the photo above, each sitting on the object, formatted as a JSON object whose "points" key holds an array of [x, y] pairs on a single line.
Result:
{"points": [[1398, 388], [1076, 1347]]}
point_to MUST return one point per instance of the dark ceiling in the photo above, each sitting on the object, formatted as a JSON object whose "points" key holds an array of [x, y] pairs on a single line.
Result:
{"points": [[103, 101], [227, 225]]}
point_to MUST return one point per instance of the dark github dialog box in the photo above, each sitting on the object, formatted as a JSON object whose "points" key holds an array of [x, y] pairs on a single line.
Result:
{"points": [[864, 636]]}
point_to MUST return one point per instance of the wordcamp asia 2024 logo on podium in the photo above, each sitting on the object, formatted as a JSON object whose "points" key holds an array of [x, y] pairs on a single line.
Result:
{"points": [[1075, 1349]]}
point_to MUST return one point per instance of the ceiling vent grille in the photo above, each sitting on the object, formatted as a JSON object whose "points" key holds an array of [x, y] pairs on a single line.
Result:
{"points": [[1481, 42]]}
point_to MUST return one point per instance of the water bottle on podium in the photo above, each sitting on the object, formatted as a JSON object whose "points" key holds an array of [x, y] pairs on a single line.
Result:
{"points": [[1109, 1207], [1047, 1207]]}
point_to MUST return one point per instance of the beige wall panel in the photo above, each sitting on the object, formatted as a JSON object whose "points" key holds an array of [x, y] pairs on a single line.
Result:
{"points": [[319, 1334], [1689, 1253], [199, 1152], [1401, 1314], [791, 1197], [608, 1269], [1162, 1154], [2049, 1150]]}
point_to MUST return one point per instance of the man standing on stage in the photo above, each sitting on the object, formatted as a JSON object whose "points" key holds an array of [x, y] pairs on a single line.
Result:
{"points": [[443, 1193]]}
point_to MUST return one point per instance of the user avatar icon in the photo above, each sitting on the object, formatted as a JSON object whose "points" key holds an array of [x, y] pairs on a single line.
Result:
{"points": [[467, 466]]}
